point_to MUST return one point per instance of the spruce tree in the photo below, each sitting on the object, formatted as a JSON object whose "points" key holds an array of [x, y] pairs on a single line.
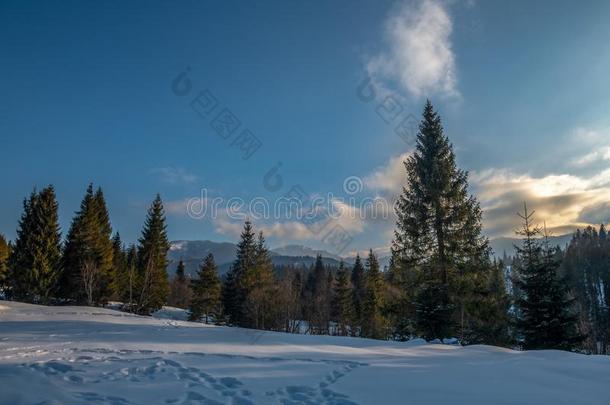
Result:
{"points": [[259, 302], [358, 293], [264, 265], [392, 274], [229, 298], [20, 261], [88, 252], [399, 306], [130, 281], [206, 291], [586, 268], [181, 271], [153, 246], [35, 264], [492, 304], [4, 254], [119, 268], [545, 319], [317, 278], [179, 290], [241, 278], [104, 246], [342, 300], [77, 240], [373, 324], [438, 236], [499, 323], [247, 290], [318, 300]]}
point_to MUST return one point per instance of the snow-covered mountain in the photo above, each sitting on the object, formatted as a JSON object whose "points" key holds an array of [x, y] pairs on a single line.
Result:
{"points": [[300, 250], [76, 355], [192, 253]]}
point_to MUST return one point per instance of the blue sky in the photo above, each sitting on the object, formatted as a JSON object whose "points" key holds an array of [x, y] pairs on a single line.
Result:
{"points": [[523, 89]]}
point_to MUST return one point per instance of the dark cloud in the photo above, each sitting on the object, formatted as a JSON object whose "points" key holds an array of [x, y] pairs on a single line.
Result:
{"points": [[596, 214], [500, 217]]}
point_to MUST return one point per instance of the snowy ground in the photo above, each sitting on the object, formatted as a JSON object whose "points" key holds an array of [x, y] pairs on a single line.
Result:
{"points": [[64, 355]]}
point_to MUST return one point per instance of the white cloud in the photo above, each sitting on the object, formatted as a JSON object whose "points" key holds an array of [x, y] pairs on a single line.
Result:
{"points": [[292, 230], [601, 154], [177, 207], [390, 177], [343, 214], [174, 175], [348, 216], [590, 136], [587, 146], [227, 227], [420, 55]]}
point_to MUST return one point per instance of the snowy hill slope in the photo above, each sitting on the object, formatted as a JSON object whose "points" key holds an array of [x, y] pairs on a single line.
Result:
{"points": [[67, 355]]}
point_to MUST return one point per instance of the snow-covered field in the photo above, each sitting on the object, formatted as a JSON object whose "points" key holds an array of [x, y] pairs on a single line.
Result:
{"points": [[64, 355]]}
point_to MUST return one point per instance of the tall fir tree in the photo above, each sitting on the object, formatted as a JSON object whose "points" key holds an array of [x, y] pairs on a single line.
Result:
{"points": [[20, 261], [77, 240], [206, 291], [318, 309], [130, 280], [119, 268], [342, 300], [358, 294], [153, 286], [373, 323], [438, 233], [104, 246], [259, 302], [35, 263], [264, 265], [546, 319], [88, 252], [240, 281], [247, 287]]}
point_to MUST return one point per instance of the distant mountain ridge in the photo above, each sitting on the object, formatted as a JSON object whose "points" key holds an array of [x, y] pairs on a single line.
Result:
{"points": [[192, 253], [506, 245], [300, 250]]}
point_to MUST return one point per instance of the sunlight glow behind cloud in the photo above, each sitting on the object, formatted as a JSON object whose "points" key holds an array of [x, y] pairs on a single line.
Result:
{"points": [[565, 202]]}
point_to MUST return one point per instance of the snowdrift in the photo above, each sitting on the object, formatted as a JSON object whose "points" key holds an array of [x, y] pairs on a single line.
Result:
{"points": [[65, 355]]}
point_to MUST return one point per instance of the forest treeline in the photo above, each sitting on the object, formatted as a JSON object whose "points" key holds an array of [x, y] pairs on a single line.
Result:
{"points": [[442, 281]]}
